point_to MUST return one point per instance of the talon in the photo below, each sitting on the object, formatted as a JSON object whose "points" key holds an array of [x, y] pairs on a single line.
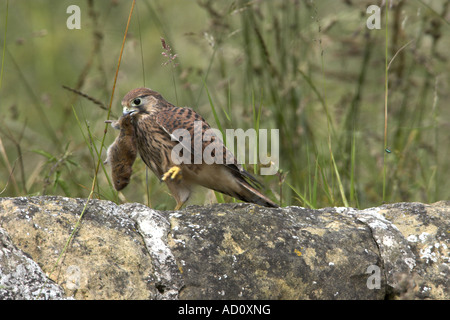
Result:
{"points": [[178, 206], [174, 172]]}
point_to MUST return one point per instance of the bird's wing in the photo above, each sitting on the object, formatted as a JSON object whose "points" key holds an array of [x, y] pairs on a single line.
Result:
{"points": [[174, 118]]}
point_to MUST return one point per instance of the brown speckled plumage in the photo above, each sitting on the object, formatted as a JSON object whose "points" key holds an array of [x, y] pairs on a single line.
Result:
{"points": [[155, 120]]}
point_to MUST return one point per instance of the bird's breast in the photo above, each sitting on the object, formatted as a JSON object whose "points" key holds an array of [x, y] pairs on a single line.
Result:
{"points": [[154, 145]]}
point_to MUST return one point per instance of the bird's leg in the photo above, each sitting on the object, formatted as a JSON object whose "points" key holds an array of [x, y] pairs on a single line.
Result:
{"points": [[174, 172], [178, 206]]}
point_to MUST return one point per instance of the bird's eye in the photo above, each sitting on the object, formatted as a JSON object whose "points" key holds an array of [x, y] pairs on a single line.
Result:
{"points": [[136, 102]]}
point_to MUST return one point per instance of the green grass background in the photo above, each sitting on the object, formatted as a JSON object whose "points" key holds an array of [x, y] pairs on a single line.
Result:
{"points": [[311, 69]]}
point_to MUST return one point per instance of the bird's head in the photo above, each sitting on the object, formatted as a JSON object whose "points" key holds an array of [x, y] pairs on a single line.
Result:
{"points": [[141, 101]]}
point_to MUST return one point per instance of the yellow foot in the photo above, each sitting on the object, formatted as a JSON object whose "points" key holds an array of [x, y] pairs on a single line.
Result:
{"points": [[174, 172], [179, 205]]}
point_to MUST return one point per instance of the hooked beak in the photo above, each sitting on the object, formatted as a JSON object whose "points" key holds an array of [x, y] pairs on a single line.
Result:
{"points": [[128, 111]]}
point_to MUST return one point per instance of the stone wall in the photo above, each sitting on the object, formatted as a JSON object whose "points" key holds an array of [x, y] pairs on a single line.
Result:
{"points": [[222, 251]]}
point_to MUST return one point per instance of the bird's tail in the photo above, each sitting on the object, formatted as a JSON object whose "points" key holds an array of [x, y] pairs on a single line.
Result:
{"points": [[250, 194]]}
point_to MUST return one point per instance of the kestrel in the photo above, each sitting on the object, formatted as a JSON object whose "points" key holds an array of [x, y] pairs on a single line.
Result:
{"points": [[155, 122]]}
